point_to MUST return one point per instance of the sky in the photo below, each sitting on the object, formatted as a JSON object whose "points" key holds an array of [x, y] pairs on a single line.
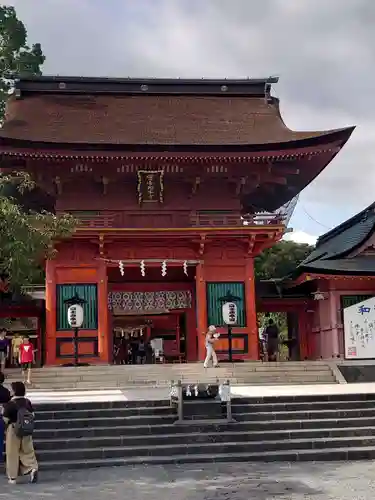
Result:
{"points": [[323, 51]]}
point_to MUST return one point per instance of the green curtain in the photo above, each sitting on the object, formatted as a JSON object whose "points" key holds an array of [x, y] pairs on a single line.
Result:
{"points": [[90, 309], [217, 290]]}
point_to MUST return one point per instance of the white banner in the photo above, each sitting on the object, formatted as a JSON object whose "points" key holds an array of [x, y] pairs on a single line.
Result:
{"points": [[359, 330]]}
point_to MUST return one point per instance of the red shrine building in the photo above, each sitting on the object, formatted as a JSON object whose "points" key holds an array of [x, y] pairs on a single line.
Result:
{"points": [[340, 275], [176, 186]]}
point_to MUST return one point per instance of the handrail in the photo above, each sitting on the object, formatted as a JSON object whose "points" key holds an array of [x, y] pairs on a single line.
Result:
{"points": [[177, 399], [194, 219]]}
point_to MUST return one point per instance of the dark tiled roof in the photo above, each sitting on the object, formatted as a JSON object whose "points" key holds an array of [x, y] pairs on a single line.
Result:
{"points": [[276, 289], [169, 112], [332, 248], [356, 265]]}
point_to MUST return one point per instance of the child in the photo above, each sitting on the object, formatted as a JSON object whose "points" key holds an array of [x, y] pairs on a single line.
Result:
{"points": [[26, 359], [16, 342]]}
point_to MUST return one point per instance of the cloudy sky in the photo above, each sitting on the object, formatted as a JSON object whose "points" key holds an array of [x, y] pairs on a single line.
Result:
{"points": [[323, 51]]}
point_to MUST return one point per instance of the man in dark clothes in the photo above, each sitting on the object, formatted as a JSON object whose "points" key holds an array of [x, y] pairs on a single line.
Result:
{"points": [[4, 349], [272, 336], [4, 398], [4, 393]]}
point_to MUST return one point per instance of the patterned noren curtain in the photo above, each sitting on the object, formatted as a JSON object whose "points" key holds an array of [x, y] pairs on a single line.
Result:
{"points": [[149, 301]]}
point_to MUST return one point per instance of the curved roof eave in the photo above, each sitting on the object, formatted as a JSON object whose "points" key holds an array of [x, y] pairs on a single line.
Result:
{"points": [[325, 138]]}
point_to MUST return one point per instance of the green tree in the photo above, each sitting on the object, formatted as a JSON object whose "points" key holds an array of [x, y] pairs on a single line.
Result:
{"points": [[281, 259], [16, 56], [28, 226], [26, 236]]}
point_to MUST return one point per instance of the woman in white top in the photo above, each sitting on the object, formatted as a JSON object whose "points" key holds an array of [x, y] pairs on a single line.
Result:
{"points": [[210, 349]]}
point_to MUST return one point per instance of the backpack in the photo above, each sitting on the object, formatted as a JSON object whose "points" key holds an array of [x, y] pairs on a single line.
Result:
{"points": [[25, 423]]}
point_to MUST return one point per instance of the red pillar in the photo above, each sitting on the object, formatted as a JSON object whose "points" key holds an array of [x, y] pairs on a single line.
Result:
{"points": [[104, 340], [201, 305], [50, 341], [303, 334], [251, 312]]}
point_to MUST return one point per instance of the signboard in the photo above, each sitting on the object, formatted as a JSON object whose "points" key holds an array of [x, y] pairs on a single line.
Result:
{"points": [[359, 330]]}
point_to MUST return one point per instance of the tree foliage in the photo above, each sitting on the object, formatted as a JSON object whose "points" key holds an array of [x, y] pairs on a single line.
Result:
{"points": [[27, 232], [281, 259], [26, 237], [16, 56]]}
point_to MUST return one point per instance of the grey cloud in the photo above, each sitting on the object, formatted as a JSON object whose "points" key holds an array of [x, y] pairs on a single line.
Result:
{"points": [[323, 50]]}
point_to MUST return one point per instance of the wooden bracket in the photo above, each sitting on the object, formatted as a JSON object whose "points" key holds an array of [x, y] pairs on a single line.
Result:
{"points": [[202, 244], [101, 245], [58, 185], [240, 185], [251, 244], [105, 182], [196, 185]]}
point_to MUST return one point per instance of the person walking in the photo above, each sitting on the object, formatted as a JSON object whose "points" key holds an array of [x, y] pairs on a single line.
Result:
{"points": [[26, 359], [4, 393], [4, 349], [4, 398], [272, 335], [211, 337], [18, 415]]}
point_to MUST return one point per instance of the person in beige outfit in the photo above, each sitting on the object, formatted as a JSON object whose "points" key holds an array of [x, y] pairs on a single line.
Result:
{"points": [[211, 337], [19, 448]]}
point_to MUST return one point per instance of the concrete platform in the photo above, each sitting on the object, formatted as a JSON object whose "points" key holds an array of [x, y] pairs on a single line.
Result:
{"points": [[299, 390], [158, 394]]}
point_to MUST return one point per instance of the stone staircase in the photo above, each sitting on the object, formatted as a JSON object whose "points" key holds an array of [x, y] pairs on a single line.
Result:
{"points": [[287, 428], [128, 376]]}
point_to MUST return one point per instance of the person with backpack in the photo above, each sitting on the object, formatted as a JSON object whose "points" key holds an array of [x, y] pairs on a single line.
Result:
{"points": [[4, 398], [19, 419]]}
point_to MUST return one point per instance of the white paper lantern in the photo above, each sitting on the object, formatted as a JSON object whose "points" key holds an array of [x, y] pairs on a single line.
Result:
{"points": [[75, 316]]}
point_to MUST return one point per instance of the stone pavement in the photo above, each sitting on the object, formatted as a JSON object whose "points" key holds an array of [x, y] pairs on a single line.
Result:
{"points": [[315, 481]]}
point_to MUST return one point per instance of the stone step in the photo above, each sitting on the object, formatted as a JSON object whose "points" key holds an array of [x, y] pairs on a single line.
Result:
{"points": [[301, 405], [212, 448], [180, 368], [106, 412], [144, 429], [330, 427], [125, 387], [193, 365], [291, 455], [305, 414], [183, 438], [145, 374], [169, 417], [71, 414], [114, 382], [105, 422]]}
